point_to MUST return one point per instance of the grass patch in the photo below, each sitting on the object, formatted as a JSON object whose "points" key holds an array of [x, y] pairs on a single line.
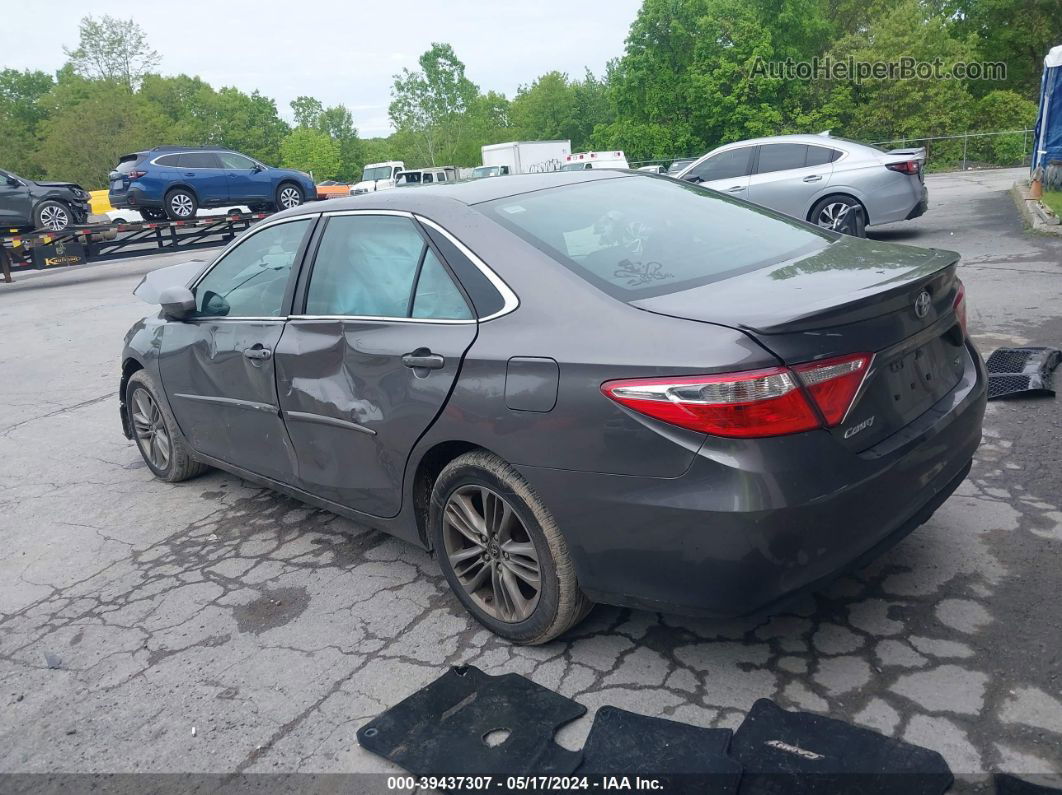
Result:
{"points": [[1053, 200]]}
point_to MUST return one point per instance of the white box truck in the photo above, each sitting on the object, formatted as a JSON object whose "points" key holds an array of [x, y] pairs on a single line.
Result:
{"points": [[522, 157]]}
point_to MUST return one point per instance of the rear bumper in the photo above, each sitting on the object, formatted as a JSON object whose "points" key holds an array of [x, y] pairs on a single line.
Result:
{"points": [[921, 207], [133, 199], [752, 523]]}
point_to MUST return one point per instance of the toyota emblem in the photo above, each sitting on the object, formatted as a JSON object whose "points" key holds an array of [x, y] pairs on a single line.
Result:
{"points": [[922, 304]]}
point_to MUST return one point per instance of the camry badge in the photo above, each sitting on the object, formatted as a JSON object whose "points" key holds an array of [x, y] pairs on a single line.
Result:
{"points": [[922, 304]]}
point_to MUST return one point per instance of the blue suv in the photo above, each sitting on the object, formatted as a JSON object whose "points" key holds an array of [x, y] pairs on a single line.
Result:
{"points": [[175, 181]]}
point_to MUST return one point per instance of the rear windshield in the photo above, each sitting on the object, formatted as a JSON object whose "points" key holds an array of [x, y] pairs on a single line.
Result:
{"points": [[127, 163], [637, 237]]}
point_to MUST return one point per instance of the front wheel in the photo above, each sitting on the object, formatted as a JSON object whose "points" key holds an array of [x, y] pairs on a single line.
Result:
{"points": [[155, 431], [181, 205], [501, 552], [52, 215], [289, 195]]}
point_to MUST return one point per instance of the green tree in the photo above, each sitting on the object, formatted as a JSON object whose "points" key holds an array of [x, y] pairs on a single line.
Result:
{"points": [[22, 115], [1016, 32], [313, 151], [112, 49], [429, 106], [307, 111], [84, 139]]}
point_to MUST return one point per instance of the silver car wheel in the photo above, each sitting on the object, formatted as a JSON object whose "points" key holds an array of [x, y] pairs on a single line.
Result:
{"points": [[181, 204], [491, 553], [833, 214], [54, 218], [150, 427], [290, 197]]}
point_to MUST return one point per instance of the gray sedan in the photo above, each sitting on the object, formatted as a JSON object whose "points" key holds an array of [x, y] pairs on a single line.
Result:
{"points": [[818, 178], [598, 386]]}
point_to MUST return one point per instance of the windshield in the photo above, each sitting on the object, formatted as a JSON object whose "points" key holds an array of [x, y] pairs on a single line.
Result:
{"points": [[637, 237], [485, 171], [375, 173], [574, 166]]}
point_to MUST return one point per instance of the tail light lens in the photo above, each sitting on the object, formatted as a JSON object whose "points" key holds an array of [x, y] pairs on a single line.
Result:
{"points": [[960, 307], [906, 167], [137, 174], [750, 404]]}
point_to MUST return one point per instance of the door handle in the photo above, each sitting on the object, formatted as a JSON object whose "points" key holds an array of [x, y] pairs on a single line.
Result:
{"points": [[813, 178], [735, 189], [257, 352], [423, 358]]}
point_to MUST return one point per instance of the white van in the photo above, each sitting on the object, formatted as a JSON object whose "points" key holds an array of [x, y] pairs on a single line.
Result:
{"points": [[425, 176], [577, 161]]}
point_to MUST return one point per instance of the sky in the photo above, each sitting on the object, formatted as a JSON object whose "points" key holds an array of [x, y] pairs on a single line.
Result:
{"points": [[339, 52]]}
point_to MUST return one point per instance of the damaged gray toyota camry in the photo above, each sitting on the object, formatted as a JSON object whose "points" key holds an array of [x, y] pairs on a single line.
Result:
{"points": [[598, 386]]}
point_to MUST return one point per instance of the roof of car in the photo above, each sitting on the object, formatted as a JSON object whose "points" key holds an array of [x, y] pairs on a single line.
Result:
{"points": [[796, 138], [466, 191]]}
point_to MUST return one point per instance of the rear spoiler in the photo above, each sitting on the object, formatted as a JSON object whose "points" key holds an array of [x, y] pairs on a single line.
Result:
{"points": [[914, 153]]}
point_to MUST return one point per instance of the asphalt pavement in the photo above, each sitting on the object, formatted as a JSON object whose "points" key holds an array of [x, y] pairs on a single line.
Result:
{"points": [[213, 626]]}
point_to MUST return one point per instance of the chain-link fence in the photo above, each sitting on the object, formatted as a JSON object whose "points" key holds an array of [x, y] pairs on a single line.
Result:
{"points": [[1003, 149]]}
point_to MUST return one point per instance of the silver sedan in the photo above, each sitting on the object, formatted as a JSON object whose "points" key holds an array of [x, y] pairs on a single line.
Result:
{"points": [[818, 178]]}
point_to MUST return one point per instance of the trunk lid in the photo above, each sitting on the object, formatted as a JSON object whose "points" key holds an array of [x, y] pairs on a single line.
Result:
{"points": [[855, 296]]}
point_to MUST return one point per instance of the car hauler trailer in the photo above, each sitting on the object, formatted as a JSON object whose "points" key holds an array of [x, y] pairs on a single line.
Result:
{"points": [[79, 243]]}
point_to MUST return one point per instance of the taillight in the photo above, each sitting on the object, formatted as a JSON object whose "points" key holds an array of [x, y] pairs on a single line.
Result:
{"points": [[750, 404], [906, 167], [833, 383], [137, 174], [960, 307]]}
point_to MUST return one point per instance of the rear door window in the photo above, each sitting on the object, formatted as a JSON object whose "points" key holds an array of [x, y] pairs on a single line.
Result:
{"points": [[725, 165], [781, 157], [199, 160], [380, 266], [820, 155], [165, 160], [636, 237]]}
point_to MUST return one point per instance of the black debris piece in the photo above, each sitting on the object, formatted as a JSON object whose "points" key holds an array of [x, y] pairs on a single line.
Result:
{"points": [[684, 758], [467, 723], [1021, 370], [1012, 785], [796, 752]]}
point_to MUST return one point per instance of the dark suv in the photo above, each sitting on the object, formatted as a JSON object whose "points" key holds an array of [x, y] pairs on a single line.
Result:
{"points": [[25, 204], [175, 181]]}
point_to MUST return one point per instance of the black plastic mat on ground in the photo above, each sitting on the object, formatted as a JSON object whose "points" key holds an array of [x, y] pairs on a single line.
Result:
{"points": [[799, 753], [683, 758], [467, 723], [1013, 371]]}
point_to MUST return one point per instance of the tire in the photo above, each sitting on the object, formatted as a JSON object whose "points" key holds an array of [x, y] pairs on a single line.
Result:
{"points": [[486, 485], [289, 195], [155, 432], [53, 216], [152, 214], [181, 205], [841, 214]]}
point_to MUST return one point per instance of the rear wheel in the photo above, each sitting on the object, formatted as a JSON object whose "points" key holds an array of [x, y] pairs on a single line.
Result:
{"points": [[841, 214], [502, 553], [152, 214], [52, 215], [289, 195], [155, 432], [181, 204]]}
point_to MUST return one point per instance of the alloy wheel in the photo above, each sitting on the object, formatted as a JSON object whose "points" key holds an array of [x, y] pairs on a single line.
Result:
{"points": [[54, 218], [290, 197], [491, 553], [150, 428], [181, 204], [833, 214]]}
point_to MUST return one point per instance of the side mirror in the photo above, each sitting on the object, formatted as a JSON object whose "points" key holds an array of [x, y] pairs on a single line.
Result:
{"points": [[256, 168], [14, 183], [177, 302], [692, 178]]}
